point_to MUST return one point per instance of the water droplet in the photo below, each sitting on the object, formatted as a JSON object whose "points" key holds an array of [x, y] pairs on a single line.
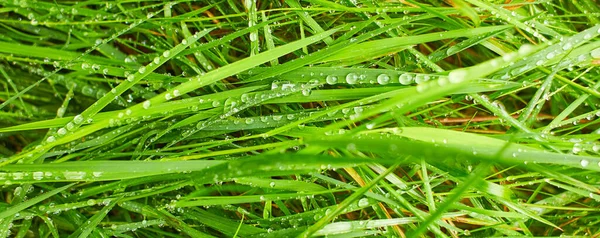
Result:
{"points": [[166, 54], [406, 79], [184, 42], [156, 60], [272, 184], [526, 49], [249, 121], [306, 92], [70, 126], [142, 70], [577, 148], [363, 202], [331, 79], [176, 93], [584, 163], [457, 76], [550, 55], [74, 175], [130, 78], [78, 119], [216, 103], [595, 53], [168, 96], [253, 36], [146, 104], [383, 79], [420, 78], [38, 175], [62, 131], [352, 78]]}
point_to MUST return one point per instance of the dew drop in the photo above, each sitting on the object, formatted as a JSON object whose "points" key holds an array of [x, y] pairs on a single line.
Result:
{"points": [[383, 79], [142, 69], [38, 175], [331, 80], [146, 104], [595, 53], [351, 78], [78, 119], [457, 76], [584, 163], [253, 36], [406, 79], [166, 54], [62, 131], [363, 202]]}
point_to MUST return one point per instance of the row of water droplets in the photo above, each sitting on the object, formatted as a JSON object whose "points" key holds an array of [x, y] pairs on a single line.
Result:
{"points": [[381, 79], [283, 119], [78, 120], [553, 52], [127, 114], [24, 177]]}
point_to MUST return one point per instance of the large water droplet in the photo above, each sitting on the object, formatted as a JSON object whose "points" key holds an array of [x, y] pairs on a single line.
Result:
{"points": [[457, 76], [78, 119], [352, 78], [363, 202], [595, 53], [331, 79], [420, 78], [584, 163], [383, 79], [406, 79], [166, 54], [253, 36], [146, 104]]}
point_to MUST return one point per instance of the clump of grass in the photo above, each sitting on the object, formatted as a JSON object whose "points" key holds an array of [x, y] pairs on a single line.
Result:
{"points": [[298, 119]]}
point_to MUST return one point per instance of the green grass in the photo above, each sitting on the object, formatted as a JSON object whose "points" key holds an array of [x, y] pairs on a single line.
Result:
{"points": [[299, 118]]}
